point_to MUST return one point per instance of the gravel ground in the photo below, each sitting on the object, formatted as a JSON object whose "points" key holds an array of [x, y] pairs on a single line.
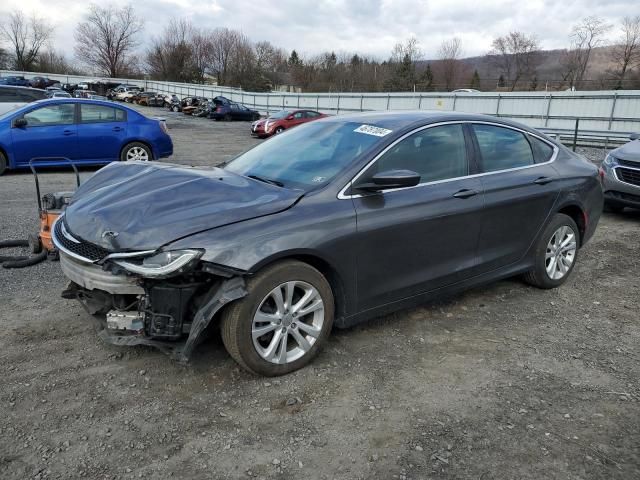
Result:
{"points": [[504, 381]]}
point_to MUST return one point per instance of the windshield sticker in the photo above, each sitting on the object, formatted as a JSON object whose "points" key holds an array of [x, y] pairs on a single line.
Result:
{"points": [[371, 130]]}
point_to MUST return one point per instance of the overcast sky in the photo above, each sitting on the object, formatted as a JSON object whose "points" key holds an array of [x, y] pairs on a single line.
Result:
{"points": [[366, 26]]}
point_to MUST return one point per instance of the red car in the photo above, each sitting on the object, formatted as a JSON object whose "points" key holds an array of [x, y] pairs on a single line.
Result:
{"points": [[280, 121]]}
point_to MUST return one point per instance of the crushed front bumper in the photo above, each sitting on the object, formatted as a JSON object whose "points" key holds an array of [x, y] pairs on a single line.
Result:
{"points": [[170, 315]]}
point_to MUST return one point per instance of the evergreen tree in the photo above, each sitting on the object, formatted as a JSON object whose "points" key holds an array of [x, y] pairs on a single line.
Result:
{"points": [[294, 59], [475, 80], [501, 83], [427, 78]]}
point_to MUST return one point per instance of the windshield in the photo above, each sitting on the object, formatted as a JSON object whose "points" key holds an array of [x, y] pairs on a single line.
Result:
{"points": [[306, 157], [281, 114]]}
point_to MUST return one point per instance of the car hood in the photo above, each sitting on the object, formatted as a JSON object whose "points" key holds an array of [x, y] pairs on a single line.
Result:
{"points": [[147, 205], [629, 151]]}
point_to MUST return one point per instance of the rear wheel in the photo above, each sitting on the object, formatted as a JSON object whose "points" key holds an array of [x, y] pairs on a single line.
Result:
{"points": [[283, 321], [279, 130], [136, 151], [227, 118], [3, 163], [555, 253]]}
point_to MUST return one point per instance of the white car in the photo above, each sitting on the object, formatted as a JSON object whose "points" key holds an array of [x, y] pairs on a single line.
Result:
{"points": [[125, 93]]}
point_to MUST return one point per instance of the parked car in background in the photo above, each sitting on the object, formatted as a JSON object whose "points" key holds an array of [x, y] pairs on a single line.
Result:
{"points": [[156, 100], [15, 81], [620, 174], [283, 120], [332, 223], [178, 105], [58, 94], [125, 94], [69, 87], [88, 132], [12, 97], [234, 111], [81, 93], [41, 82]]}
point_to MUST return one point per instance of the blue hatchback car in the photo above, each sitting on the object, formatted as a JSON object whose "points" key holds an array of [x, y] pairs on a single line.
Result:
{"points": [[88, 132]]}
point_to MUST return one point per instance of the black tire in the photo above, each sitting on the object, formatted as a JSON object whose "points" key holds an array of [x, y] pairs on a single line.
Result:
{"points": [[227, 118], [538, 276], [279, 130], [613, 207], [237, 318], [129, 146], [3, 163]]}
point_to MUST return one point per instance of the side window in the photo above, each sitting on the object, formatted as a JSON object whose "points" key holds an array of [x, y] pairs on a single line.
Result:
{"points": [[311, 114], [53, 115], [502, 148], [436, 153], [542, 151], [298, 115], [99, 113]]}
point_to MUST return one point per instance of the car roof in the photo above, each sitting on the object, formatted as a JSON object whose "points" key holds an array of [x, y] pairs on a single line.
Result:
{"points": [[106, 103], [22, 88], [396, 120]]}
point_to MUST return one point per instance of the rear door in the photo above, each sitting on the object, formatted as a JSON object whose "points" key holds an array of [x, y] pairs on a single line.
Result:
{"points": [[51, 131], [413, 240], [520, 190], [101, 132]]}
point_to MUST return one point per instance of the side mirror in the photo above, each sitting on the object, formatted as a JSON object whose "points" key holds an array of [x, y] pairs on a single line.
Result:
{"points": [[634, 136], [391, 179], [20, 123]]}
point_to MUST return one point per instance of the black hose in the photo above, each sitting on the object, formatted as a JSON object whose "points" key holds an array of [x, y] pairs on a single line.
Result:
{"points": [[19, 261]]}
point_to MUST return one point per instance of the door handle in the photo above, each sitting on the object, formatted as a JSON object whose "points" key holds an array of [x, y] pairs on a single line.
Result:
{"points": [[465, 193], [117, 129], [66, 133], [543, 180]]}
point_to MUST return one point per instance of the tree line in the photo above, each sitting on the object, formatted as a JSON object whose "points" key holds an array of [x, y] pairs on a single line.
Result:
{"points": [[108, 43]]}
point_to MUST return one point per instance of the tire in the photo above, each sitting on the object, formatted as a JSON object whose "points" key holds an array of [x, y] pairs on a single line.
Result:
{"points": [[134, 151], [3, 163], [238, 319], [613, 207], [539, 276], [279, 130], [175, 108], [227, 118]]}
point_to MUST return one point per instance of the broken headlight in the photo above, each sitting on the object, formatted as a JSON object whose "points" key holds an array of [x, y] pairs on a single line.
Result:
{"points": [[161, 264]]}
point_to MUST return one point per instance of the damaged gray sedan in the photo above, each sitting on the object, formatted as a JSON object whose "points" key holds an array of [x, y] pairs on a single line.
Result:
{"points": [[332, 223]]}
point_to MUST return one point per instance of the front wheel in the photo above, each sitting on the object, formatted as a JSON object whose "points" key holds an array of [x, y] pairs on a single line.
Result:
{"points": [[555, 253], [279, 130], [283, 321], [136, 151]]}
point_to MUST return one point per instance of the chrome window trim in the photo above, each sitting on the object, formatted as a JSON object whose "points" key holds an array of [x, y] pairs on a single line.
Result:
{"points": [[343, 196]]}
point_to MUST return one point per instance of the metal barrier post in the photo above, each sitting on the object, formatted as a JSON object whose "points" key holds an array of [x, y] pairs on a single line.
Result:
{"points": [[613, 107], [575, 134]]}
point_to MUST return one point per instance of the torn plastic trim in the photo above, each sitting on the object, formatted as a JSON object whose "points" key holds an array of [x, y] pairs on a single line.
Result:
{"points": [[229, 290]]}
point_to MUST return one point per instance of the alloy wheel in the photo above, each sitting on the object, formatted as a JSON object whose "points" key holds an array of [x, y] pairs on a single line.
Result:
{"points": [[561, 252], [288, 322], [137, 153]]}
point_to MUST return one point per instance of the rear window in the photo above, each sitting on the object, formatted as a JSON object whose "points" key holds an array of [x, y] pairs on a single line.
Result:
{"points": [[100, 114], [502, 148], [542, 151]]}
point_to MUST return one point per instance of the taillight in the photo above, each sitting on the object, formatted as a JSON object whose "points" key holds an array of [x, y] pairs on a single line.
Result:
{"points": [[218, 109], [163, 126]]}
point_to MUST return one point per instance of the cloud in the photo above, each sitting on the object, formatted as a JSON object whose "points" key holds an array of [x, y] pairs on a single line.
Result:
{"points": [[370, 27]]}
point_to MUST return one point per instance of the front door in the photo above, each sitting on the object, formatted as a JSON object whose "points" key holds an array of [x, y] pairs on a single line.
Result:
{"points": [[416, 239], [51, 131]]}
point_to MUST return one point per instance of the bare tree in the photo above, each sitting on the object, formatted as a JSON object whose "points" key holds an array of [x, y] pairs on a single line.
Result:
{"points": [[170, 55], [107, 37], [516, 56], [626, 53], [585, 36], [224, 43], [449, 55], [26, 36], [410, 48]]}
